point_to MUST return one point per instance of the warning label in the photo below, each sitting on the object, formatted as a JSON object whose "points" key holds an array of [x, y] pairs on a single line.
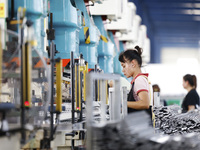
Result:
{"points": [[2, 10]]}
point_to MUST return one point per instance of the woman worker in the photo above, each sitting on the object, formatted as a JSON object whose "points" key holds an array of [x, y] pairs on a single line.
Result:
{"points": [[191, 100], [140, 95]]}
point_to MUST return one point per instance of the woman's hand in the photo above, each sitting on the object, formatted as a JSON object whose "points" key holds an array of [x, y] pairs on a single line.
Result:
{"points": [[191, 107]]}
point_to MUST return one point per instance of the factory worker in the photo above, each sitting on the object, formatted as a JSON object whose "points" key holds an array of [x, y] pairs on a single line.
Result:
{"points": [[191, 100], [140, 96]]}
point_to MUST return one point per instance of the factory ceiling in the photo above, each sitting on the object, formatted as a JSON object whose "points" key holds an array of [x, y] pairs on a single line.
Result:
{"points": [[170, 23]]}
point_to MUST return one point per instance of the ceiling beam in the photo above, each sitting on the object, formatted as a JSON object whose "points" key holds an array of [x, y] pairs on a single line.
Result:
{"points": [[180, 29], [174, 11], [169, 1], [177, 40], [189, 45], [191, 36], [174, 4], [174, 17], [177, 24]]}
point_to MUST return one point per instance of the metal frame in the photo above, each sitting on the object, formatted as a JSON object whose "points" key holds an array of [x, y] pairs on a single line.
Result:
{"points": [[124, 101], [90, 97]]}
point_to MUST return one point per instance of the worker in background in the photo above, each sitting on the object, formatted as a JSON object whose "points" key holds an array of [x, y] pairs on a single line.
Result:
{"points": [[156, 89], [140, 95], [191, 100]]}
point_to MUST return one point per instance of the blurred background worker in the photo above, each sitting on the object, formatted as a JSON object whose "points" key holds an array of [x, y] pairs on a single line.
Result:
{"points": [[191, 100], [156, 93]]}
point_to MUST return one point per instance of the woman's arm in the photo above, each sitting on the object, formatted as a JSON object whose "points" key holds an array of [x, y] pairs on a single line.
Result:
{"points": [[191, 107], [143, 103]]}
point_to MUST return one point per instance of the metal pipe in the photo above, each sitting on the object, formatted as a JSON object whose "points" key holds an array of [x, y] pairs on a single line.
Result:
{"points": [[12, 9], [124, 101], [103, 101], [76, 85], [89, 113], [96, 88], [52, 52], [81, 95], [106, 92], [116, 101], [72, 84], [1, 58], [23, 136], [51, 21]]}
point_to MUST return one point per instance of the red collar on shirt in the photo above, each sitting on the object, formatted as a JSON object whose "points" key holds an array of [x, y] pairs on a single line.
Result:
{"points": [[144, 74]]}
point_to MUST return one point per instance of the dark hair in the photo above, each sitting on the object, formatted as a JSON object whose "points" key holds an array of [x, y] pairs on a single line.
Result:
{"points": [[131, 54], [156, 88], [191, 79]]}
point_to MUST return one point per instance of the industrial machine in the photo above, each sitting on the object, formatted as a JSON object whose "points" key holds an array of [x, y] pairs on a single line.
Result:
{"points": [[104, 10], [131, 36], [25, 86], [62, 86], [143, 41], [37, 15], [117, 65], [89, 37], [47, 50], [105, 47], [123, 24]]}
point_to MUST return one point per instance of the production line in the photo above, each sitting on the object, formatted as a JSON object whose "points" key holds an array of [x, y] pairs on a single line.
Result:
{"points": [[57, 62]]}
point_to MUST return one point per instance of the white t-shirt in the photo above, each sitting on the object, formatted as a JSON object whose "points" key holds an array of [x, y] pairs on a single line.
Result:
{"points": [[141, 83]]}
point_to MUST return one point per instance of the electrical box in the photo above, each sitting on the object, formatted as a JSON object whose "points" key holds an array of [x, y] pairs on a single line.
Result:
{"points": [[126, 22], [111, 8]]}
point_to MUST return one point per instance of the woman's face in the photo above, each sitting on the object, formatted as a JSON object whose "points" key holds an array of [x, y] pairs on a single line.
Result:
{"points": [[185, 84], [127, 69]]}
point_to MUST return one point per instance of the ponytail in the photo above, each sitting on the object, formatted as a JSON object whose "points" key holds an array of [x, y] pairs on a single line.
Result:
{"points": [[139, 50], [195, 81]]}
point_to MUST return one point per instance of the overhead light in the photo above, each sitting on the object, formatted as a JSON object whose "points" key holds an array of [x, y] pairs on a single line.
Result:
{"points": [[196, 11], [192, 11]]}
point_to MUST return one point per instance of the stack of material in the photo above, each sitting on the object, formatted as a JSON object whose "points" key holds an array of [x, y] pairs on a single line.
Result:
{"points": [[134, 133], [169, 120]]}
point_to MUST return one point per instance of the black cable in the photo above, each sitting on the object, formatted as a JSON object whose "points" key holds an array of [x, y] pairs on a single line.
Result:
{"points": [[72, 144]]}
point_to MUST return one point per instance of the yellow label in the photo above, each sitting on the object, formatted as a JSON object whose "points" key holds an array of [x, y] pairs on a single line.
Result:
{"points": [[2, 10]]}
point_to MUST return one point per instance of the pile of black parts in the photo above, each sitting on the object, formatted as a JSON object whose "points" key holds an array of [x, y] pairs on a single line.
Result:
{"points": [[170, 120], [135, 133]]}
